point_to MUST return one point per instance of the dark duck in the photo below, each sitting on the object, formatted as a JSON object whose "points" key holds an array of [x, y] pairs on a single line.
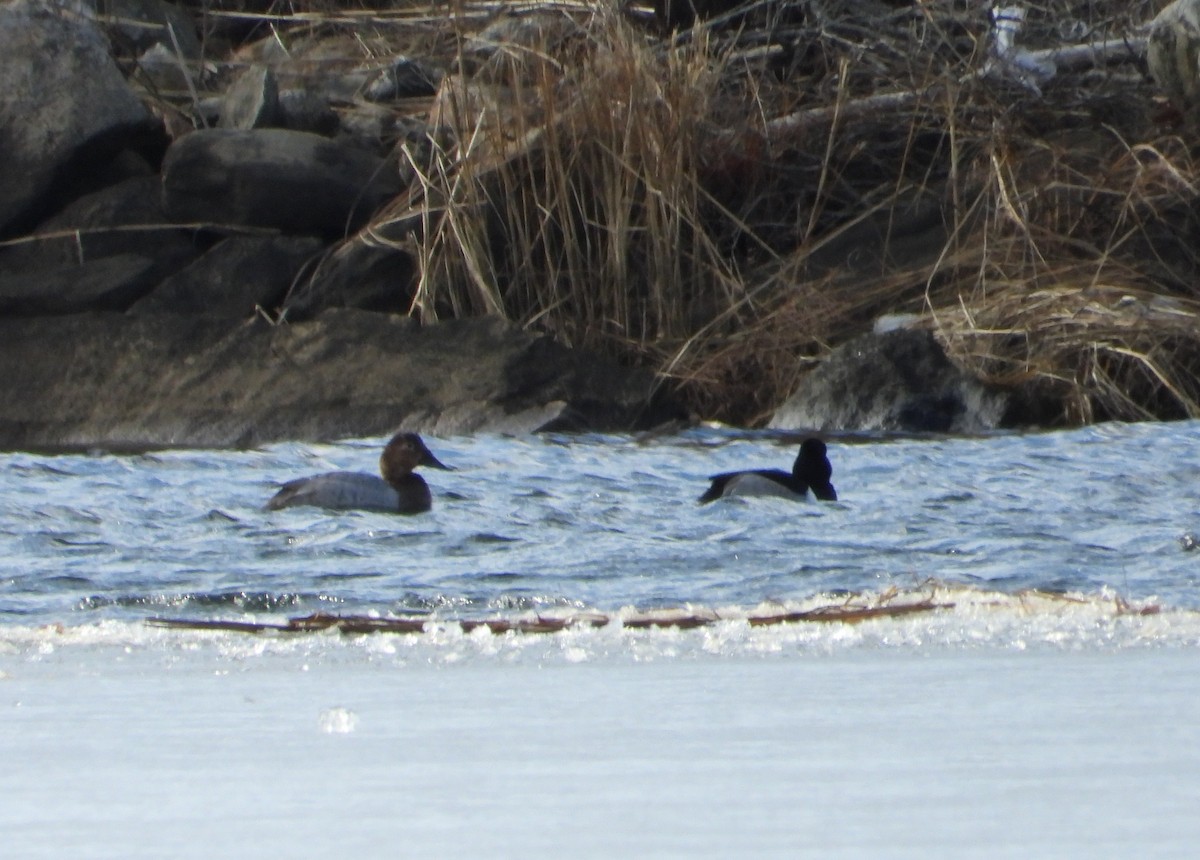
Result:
{"points": [[400, 490], [810, 473]]}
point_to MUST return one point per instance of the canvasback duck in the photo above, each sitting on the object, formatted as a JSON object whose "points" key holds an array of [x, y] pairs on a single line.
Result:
{"points": [[400, 490], [811, 471]]}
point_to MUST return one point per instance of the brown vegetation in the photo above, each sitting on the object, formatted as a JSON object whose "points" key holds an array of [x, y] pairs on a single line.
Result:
{"points": [[726, 203]]}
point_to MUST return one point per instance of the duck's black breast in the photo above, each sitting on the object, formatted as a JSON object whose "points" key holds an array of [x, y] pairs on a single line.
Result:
{"points": [[824, 491], [413, 493]]}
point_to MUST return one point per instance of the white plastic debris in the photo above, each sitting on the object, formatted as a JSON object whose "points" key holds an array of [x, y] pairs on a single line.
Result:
{"points": [[1031, 70]]}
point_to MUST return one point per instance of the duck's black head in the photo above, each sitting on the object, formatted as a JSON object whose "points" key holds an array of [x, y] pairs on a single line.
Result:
{"points": [[813, 468]]}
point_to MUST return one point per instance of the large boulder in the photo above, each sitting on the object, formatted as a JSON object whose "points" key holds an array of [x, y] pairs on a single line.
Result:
{"points": [[899, 380], [235, 278], [356, 274], [252, 101], [403, 78], [64, 108], [111, 283], [292, 181], [137, 26], [1173, 55], [123, 218], [125, 381]]}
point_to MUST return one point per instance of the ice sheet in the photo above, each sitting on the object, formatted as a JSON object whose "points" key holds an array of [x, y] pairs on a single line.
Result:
{"points": [[114, 752]]}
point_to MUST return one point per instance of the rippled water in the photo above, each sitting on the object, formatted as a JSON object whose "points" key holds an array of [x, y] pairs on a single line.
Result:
{"points": [[555, 523]]}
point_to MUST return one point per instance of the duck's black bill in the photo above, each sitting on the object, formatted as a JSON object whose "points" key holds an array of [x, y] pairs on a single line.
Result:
{"points": [[434, 463]]}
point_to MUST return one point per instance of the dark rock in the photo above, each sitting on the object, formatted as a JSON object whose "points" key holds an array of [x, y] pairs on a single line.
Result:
{"points": [[524, 34], [206, 113], [252, 101], [343, 88], [125, 164], [355, 275], [681, 14], [98, 225], [235, 276], [369, 126], [107, 283], [138, 25], [159, 71], [403, 78], [64, 108], [125, 381], [304, 110], [1171, 52], [898, 381], [289, 180], [475, 416]]}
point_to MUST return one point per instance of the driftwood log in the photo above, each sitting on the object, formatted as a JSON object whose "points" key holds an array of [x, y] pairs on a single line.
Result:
{"points": [[357, 624]]}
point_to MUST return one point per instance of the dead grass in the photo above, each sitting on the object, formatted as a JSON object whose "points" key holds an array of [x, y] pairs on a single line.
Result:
{"points": [[728, 203]]}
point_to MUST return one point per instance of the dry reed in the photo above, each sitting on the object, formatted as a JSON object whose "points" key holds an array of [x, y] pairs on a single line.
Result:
{"points": [[727, 203]]}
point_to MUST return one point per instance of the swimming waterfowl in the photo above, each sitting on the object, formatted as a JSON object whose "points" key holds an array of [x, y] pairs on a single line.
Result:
{"points": [[400, 490], [811, 471]]}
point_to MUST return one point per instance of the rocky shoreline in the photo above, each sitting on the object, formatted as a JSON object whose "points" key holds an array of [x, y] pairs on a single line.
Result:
{"points": [[150, 289], [115, 381], [217, 275]]}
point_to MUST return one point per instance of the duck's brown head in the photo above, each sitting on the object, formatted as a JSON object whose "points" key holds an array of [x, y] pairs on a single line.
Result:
{"points": [[403, 453]]}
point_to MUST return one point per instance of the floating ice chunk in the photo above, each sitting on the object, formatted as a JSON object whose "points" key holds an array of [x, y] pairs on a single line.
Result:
{"points": [[575, 654], [337, 721]]}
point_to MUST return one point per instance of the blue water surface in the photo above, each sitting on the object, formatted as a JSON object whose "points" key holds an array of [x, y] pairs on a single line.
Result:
{"points": [[598, 523]]}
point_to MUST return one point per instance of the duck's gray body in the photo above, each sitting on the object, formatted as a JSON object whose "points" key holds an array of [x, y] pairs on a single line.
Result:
{"points": [[349, 491], [761, 484]]}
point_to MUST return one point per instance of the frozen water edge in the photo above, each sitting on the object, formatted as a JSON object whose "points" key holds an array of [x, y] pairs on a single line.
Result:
{"points": [[863, 752], [955, 617]]}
